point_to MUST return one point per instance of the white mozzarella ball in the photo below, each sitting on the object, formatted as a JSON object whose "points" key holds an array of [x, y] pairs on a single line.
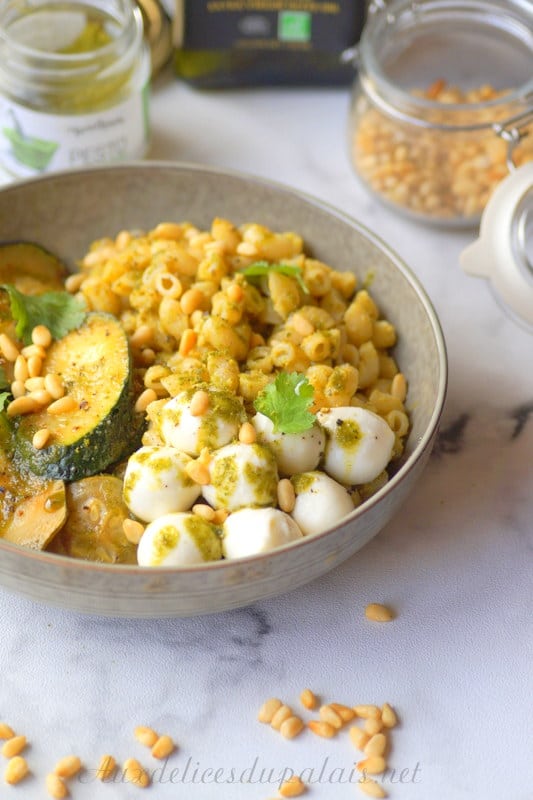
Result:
{"points": [[257, 530], [320, 502], [188, 432], [295, 452], [359, 444], [156, 483], [178, 540], [242, 475]]}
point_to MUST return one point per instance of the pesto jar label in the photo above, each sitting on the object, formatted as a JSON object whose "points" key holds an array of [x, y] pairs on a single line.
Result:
{"points": [[322, 25], [34, 142]]}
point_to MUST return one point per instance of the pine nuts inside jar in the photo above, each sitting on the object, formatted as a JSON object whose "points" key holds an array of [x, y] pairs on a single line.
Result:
{"points": [[435, 80]]}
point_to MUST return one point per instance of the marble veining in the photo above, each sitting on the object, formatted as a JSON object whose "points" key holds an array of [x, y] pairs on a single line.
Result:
{"points": [[455, 563]]}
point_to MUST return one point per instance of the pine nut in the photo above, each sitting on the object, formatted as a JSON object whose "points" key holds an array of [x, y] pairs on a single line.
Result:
{"points": [[163, 747], [41, 397], [144, 400], [308, 699], [345, 712], [133, 530], [56, 786], [291, 727], [34, 384], [204, 511], [18, 389], [373, 726], [199, 403], [106, 768], [145, 735], [367, 711], [6, 731], [321, 728], [374, 765], [294, 787], [221, 515], [399, 386], [376, 612], [20, 371], [286, 495], [147, 356], [74, 282], [371, 788], [198, 473], [388, 716], [135, 773], [32, 350], [359, 737], [376, 745], [65, 405], [268, 709], [68, 766], [247, 433], [22, 405], [53, 385], [235, 293], [191, 300], [35, 365], [41, 336], [8, 348], [16, 770], [327, 714], [142, 337], [14, 746], [187, 342], [283, 713]]}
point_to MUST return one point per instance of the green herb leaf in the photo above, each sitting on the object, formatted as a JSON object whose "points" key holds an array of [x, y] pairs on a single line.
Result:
{"points": [[261, 268], [286, 402], [4, 383], [4, 398], [59, 311]]}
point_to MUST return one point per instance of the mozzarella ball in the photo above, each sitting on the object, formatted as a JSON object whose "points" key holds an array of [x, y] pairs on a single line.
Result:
{"points": [[188, 432], [242, 475], [295, 452], [359, 444], [320, 503], [155, 483], [257, 530], [178, 540]]}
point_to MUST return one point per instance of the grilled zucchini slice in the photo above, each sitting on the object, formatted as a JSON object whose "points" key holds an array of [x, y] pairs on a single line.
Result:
{"points": [[30, 268], [94, 363]]}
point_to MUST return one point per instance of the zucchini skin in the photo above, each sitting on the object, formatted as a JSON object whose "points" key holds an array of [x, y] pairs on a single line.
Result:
{"points": [[114, 437]]}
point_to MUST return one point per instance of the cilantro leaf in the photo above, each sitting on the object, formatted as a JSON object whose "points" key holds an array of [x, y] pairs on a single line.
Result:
{"points": [[4, 396], [260, 268], [59, 311], [286, 402]]}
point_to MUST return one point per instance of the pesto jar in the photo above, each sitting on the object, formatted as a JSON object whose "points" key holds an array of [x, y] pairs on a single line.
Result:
{"points": [[74, 83]]}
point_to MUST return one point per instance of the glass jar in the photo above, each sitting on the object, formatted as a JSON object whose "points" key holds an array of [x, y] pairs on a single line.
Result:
{"points": [[74, 80], [437, 105]]}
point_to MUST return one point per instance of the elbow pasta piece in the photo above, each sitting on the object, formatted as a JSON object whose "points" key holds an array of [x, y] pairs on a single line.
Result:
{"points": [[317, 277], [284, 293]]}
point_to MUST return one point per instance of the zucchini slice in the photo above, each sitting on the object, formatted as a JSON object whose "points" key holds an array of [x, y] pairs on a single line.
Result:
{"points": [[94, 363], [31, 268]]}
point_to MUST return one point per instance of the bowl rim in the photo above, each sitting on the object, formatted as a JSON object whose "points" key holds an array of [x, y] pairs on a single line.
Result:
{"points": [[80, 565]]}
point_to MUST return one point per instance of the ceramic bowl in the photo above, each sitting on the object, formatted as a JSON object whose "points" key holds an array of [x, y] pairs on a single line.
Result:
{"points": [[65, 212]]}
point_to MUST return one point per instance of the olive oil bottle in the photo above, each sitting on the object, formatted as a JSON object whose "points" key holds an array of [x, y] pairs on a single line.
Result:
{"points": [[226, 43]]}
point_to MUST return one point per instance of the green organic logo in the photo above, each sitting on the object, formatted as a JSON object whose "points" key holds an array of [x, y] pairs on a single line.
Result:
{"points": [[294, 26]]}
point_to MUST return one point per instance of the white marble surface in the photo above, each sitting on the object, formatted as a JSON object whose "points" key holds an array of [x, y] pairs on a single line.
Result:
{"points": [[455, 564]]}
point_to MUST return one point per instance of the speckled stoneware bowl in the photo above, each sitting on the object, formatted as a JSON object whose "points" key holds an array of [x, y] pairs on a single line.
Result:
{"points": [[65, 212]]}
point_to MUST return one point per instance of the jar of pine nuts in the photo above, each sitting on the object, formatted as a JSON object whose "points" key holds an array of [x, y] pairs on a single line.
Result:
{"points": [[441, 104]]}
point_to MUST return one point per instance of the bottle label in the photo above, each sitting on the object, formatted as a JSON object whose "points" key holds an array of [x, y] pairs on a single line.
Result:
{"points": [[321, 25], [35, 142]]}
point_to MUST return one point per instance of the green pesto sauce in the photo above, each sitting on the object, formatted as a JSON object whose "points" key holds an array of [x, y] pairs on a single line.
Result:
{"points": [[348, 434], [129, 485], [224, 477], [222, 406], [167, 539], [303, 481], [264, 479], [204, 536], [93, 36]]}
